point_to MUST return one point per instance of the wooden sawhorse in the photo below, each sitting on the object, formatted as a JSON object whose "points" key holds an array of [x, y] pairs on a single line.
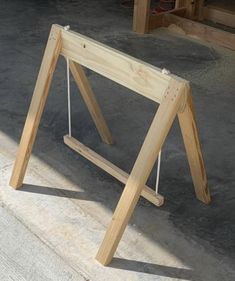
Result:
{"points": [[171, 92]]}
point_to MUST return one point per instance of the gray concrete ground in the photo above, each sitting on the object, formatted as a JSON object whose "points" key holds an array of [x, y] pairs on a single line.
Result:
{"points": [[51, 228]]}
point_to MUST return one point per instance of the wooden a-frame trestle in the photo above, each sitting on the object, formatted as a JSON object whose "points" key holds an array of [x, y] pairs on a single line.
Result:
{"points": [[171, 92]]}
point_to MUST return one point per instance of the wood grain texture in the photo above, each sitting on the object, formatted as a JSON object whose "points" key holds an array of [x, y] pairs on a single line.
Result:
{"points": [[201, 31], [37, 105], [143, 78], [190, 8], [179, 4], [157, 20], [141, 16], [189, 131], [156, 135], [110, 168], [90, 101], [199, 9], [219, 15]]}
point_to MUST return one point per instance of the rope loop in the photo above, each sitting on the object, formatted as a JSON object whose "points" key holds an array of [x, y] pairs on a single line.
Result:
{"points": [[69, 99]]}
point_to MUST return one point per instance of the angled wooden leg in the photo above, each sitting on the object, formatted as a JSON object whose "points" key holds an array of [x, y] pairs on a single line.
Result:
{"points": [[156, 135], [90, 101], [193, 149], [37, 105]]}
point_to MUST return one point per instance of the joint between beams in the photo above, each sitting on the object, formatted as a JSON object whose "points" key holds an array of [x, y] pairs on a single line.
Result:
{"points": [[176, 89], [184, 93], [55, 32]]}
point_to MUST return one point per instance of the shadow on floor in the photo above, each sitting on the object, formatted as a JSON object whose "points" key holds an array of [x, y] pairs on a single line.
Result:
{"points": [[59, 192], [151, 268]]}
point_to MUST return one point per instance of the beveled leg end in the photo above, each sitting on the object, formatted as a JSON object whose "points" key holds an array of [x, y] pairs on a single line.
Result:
{"points": [[102, 258], [15, 184], [204, 196]]}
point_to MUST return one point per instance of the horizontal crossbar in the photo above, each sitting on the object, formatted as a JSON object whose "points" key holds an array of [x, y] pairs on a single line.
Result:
{"points": [[141, 77], [110, 168]]}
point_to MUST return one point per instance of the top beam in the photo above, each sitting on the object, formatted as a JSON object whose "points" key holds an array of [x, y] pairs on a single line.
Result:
{"points": [[143, 78]]}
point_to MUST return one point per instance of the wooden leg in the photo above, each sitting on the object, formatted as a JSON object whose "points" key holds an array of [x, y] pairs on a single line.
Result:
{"points": [[91, 102], [193, 149], [148, 154], [199, 10], [141, 16], [190, 8], [37, 105], [179, 4]]}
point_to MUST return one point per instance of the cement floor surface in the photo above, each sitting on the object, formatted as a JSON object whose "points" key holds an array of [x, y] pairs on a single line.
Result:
{"points": [[51, 229]]}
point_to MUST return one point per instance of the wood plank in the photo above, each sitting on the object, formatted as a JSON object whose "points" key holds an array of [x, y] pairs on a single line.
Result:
{"points": [[156, 21], [189, 131], [190, 8], [130, 72], [110, 168], [141, 16], [223, 4], [201, 31], [90, 101], [199, 9], [156, 135], [37, 105], [179, 4], [219, 15]]}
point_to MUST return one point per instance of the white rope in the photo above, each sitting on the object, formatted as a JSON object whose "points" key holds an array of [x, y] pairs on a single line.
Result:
{"points": [[158, 170], [67, 27], [166, 72], [69, 101]]}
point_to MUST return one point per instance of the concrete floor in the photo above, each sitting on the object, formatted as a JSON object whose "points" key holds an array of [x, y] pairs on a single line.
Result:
{"points": [[51, 229]]}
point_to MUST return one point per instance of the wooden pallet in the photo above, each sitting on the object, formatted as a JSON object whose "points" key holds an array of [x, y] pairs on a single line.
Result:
{"points": [[171, 92]]}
